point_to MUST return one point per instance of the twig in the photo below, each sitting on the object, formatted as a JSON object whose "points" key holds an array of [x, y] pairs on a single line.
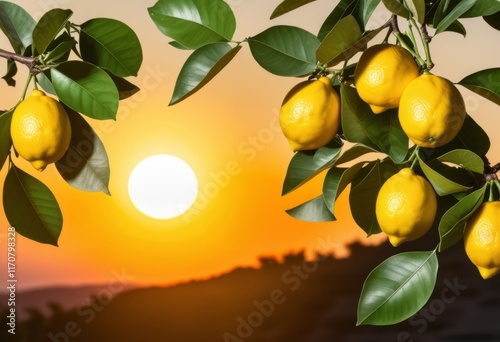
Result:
{"points": [[30, 62]]}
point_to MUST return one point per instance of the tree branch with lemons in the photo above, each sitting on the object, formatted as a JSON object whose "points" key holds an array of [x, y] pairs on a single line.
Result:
{"points": [[372, 118], [72, 74]]}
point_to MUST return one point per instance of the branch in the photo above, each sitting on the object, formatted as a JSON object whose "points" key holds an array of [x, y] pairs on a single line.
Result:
{"points": [[30, 62], [490, 172]]}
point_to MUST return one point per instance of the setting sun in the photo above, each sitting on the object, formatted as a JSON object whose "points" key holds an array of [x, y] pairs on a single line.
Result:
{"points": [[162, 186]]}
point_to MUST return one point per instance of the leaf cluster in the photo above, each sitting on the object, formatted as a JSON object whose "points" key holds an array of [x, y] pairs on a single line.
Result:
{"points": [[85, 66]]}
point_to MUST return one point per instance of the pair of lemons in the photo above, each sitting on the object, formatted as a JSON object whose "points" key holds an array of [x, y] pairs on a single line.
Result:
{"points": [[431, 109]]}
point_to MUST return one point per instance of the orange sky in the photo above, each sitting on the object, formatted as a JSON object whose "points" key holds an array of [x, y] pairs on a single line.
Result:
{"points": [[228, 126]]}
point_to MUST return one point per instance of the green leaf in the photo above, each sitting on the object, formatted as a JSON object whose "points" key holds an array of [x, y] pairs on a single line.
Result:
{"points": [[48, 28], [307, 164], [85, 165], [493, 20], [125, 88], [11, 72], [86, 89], [382, 131], [397, 288], [449, 11], [417, 9], [203, 65], [485, 83], [464, 158], [61, 51], [31, 207], [339, 12], [361, 10], [5, 139], [343, 36], [364, 191], [43, 79], [177, 45], [285, 50], [354, 152], [397, 7], [194, 23], [451, 226], [482, 8], [349, 51], [470, 137], [336, 180], [314, 210], [441, 184], [288, 6], [112, 45], [17, 25], [457, 27]]}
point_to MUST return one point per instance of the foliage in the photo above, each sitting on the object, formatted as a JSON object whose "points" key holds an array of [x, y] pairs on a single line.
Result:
{"points": [[458, 171], [85, 66]]}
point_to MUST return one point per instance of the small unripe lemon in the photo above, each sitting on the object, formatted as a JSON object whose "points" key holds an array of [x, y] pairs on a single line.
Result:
{"points": [[40, 130], [310, 114], [381, 75], [482, 239], [406, 207]]}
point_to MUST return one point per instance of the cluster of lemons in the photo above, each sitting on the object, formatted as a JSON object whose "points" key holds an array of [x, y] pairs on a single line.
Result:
{"points": [[431, 111]]}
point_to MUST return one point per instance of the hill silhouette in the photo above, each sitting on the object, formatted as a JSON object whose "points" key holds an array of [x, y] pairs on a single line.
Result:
{"points": [[289, 301]]}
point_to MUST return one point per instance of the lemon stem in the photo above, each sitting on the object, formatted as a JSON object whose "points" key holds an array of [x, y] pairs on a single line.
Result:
{"points": [[491, 197], [415, 55], [414, 157], [25, 90], [420, 60], [424, 36]]}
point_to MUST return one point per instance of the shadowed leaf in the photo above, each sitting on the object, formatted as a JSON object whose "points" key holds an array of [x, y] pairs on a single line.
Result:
{"points": [[31, 207]]}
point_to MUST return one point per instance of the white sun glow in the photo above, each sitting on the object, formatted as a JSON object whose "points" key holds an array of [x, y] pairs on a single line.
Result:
{"points": [[162, 186]]}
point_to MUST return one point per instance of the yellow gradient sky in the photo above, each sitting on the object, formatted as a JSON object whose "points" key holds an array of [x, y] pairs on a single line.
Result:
{"points": [[229, 134]]}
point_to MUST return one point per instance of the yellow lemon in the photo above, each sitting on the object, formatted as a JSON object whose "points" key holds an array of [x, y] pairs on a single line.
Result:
{"points": [[310, 114], [382, 73], [482, 239], [431, 111], [40, 130], [406, 207]]}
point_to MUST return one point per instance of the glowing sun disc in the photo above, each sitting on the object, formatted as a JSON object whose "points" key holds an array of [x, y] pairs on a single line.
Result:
{"points": [[162, 186]]}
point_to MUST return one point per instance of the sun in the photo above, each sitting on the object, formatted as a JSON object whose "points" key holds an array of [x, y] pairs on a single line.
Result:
{"points": [[162, 186]]}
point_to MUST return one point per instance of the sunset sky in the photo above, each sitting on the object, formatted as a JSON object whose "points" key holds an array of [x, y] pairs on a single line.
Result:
{"points": [[228, 128]]}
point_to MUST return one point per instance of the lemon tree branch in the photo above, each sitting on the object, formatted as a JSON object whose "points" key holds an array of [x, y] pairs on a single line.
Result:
{"points": [[30, 62]]}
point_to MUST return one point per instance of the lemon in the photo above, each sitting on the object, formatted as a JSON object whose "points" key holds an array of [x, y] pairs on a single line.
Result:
{"points": [[406, 206], [310, 114], [431, 111], [382, 73], [40, 130], [482, 239]]}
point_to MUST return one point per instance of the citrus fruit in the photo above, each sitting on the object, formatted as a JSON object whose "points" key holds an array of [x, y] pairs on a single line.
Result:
{"points": [[40, 130], [431, 110], [310, 114], [382, 73], [482, 239], [406, 206]]}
